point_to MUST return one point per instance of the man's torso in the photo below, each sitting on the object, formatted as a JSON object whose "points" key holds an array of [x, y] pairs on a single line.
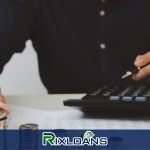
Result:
{"points": [[82, 44]]}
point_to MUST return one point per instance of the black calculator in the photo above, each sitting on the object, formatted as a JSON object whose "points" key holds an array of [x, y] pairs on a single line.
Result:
{"points": [[115, 100]]}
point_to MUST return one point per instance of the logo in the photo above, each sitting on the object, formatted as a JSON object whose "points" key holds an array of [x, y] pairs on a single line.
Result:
{"points": [[88, 139], [48, 137]]}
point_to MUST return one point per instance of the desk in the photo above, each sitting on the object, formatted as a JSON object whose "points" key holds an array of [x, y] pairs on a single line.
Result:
{"points": [[48, 111], [42, 102]]}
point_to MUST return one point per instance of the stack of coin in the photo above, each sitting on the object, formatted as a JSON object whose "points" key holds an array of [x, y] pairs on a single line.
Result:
{"points": [[28, 136]]}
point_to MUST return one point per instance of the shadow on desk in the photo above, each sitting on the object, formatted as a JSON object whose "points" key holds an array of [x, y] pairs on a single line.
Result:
{"points": [[130, 115]]}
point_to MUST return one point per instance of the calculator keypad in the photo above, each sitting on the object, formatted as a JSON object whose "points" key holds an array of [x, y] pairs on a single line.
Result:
{"points": [[121, 93]]}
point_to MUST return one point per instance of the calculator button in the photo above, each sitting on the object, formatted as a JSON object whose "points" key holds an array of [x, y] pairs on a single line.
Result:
{"points": [[114, 98], [126, 91], [98, 92], [140, 99], [110, 91], [147, 93], [127, 98], [138, 91]]}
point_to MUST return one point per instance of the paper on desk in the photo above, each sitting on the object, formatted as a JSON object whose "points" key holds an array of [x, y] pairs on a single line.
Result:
{"points": [[68, 119]]}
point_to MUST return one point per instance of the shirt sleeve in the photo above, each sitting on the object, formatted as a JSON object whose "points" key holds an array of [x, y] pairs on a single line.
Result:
{"points": [[16, 22]]}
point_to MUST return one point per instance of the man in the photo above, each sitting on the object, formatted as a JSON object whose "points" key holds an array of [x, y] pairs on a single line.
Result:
{"points": [[81, 44]]}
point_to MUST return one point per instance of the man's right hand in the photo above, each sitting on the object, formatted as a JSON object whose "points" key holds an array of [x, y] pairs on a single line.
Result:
{"points": [[3, 105]]}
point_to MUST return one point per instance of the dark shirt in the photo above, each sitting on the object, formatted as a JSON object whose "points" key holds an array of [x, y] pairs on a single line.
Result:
{"points": [[81, 44]]}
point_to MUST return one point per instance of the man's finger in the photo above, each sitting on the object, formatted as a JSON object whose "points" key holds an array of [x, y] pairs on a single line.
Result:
{"points": [[142, 60], [144, 72], [2, 98], [4, 107]]}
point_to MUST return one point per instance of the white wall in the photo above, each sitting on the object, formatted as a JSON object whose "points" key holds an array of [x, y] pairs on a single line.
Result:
{"points": [[21, 75]]}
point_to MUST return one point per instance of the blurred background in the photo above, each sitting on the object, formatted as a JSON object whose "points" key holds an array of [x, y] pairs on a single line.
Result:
{"points": [[20, 75]]}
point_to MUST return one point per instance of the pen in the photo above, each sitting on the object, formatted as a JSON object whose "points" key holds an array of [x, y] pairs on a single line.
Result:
{"points": [[129, 73], [3, 118]]}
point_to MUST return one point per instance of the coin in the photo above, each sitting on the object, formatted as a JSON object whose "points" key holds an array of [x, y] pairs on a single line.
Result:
{"points": [[28, 136], [29, 126]]}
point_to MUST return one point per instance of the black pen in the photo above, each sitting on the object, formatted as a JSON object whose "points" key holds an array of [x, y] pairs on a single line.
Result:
{"points": [[129, 73], [3, 118]]}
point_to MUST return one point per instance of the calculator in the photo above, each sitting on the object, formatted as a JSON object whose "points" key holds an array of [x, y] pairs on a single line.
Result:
{"points": [[114, 100]]}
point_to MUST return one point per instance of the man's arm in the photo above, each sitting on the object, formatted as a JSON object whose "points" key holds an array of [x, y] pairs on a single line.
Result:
{"points": [[16, 23]]}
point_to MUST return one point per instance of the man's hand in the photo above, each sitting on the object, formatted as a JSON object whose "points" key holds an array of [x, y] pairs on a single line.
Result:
{"points": [[140, 61], [3, 105]]}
